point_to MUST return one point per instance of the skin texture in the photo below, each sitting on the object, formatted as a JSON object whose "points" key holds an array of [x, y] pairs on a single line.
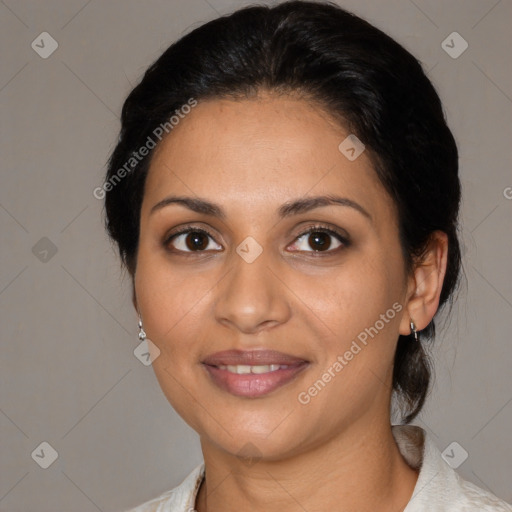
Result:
{"points": [[251, 157]]}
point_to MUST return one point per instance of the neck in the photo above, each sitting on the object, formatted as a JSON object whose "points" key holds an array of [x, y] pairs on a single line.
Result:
{"points": [[350, 472]]}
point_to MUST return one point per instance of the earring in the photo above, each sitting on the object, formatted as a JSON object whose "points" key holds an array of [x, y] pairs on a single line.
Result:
{"points": [[413, 331], [142, 334]]}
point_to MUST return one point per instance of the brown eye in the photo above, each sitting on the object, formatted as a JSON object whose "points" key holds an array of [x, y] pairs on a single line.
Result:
{"points": [[192, 240], [196, 241], [319, 241]]}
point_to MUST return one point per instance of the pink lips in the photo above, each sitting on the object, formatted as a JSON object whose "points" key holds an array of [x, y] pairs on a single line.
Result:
{"points": [[252, 384]]}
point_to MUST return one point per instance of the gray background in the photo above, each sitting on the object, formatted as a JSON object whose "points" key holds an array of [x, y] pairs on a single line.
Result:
{"points": [[69, 376]]}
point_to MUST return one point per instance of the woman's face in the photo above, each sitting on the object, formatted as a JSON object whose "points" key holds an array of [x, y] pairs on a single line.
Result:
{"points": [[248, 277]]}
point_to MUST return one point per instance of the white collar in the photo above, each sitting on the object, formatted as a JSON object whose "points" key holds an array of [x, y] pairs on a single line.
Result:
{"points": [[438, 488]]}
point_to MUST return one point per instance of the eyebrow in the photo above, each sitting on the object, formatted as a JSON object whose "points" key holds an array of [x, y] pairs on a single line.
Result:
{"points": [[288, 209]]}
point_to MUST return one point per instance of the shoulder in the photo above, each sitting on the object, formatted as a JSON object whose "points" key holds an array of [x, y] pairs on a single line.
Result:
{"points": [[179, 499], [439, 487]]}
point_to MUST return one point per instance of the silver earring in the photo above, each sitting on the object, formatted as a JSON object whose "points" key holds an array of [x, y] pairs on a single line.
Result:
{"points": [[413, 331], [142, 334]]}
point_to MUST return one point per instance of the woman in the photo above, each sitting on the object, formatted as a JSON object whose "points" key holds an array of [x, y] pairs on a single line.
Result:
{"points": [[284, 195]]}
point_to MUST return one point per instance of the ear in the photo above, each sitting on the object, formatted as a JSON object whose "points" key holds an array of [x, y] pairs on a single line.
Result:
{"points": [[425, 284]]}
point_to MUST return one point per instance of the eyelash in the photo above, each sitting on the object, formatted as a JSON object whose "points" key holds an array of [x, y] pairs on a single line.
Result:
{"points": [[313, 229]]}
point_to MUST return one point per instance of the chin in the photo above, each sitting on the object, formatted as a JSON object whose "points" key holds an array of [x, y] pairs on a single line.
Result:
{"points": [[264, 438]]}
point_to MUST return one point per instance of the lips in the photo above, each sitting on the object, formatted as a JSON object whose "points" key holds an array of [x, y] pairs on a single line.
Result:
{"points": [[251, 357], [252, 374]]}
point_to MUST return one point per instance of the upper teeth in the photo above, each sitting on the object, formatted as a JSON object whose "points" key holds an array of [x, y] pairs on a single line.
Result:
{"points": [[244, 368]]}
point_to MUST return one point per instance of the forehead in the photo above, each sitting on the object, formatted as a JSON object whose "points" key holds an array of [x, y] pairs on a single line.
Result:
{"points": [[258, 152]]}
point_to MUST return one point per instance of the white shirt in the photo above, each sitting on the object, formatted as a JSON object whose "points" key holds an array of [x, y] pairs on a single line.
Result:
{"points": [[439, 488]]}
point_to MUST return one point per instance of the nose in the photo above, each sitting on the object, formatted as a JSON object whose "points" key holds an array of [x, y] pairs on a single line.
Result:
{"points": [[252, 298]]}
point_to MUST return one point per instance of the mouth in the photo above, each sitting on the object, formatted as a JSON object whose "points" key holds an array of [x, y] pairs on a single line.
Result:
{"points": [[252, 374]]}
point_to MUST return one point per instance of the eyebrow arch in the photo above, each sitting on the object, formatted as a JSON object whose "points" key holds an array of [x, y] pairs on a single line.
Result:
{"points": [[286, 210], [195, 204], [310, 203]]}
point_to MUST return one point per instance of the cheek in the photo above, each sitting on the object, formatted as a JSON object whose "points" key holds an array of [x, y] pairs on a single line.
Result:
{"points": [[357, 312], [360, 313], [167, 293], [350, 298], [173, 306]]}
